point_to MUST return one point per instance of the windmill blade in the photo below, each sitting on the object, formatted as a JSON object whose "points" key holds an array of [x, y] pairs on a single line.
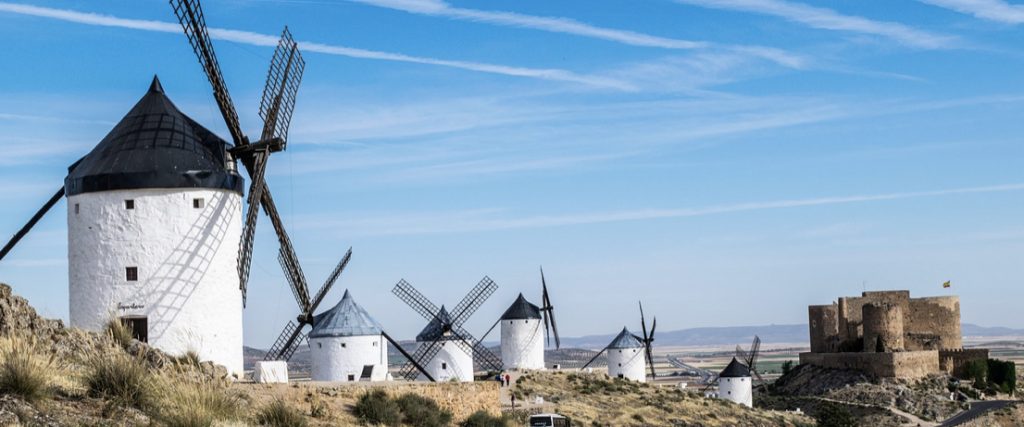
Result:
{"points": [[473, 300], [249, 229], [476, 348], [190, 14], [755, 349], [650, 360], [31, 222], [287, 342], [710, 384], [407, 293], [743, 355], [643, 323], [424, 353], [594, 358], [648, 345], [330, 280], [282, 86], [549, 311], [411, 360], [491, 329], [296, 281]]}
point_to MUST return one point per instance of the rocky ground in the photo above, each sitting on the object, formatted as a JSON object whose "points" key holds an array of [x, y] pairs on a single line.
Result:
{"points": [[596, 400], [881, 402]]}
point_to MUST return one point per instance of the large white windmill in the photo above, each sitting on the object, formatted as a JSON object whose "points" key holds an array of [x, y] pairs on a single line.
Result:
{"points": [[155, 229]]}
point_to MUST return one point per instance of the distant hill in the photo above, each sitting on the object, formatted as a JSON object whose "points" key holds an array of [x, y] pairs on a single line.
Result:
{"points": [[726, 335]]}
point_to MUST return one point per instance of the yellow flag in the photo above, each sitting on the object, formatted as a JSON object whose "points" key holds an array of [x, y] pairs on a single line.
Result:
{"points": [[947, 284]]}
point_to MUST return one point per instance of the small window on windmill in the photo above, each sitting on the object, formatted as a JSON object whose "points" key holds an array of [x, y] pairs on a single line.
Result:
{"points": [[343, 345], [131, 274], [319, 345], [620, 365], [198, 203], [444, 365], [375, 343], [129, 204], [77, 208], [351, 377]]}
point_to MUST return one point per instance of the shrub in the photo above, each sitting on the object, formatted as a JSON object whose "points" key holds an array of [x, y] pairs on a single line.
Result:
{"points": [[977, 370], [833, 415], [26, 370], [120, 378], [1002, 375], [375, 407], [787, 367], [279, 414], [484, 419], [119, 332], [419, 411], [195, 403]]}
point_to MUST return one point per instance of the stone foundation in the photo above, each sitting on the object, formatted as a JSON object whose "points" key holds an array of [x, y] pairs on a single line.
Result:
{"points": [[903, 365]]}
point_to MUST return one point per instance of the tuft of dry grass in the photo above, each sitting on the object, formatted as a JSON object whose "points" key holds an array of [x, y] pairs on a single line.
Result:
{"points": [[194, 402], [26, 369], [119, 377], [119, 332], [279, 414]]}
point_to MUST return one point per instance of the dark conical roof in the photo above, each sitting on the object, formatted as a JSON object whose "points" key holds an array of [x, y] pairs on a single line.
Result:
{"points": [[345, 319], [521, 309], [155, 146], [626, 339], [434, 331], [735, 369]]}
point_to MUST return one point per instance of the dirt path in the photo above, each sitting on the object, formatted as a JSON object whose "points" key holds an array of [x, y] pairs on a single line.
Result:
{"points": [[914, 419]]}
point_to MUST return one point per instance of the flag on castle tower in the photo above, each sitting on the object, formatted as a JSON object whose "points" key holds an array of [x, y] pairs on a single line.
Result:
{"points": [[947, 284]]}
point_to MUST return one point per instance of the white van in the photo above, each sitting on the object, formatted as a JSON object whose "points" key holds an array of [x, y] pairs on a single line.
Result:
{"points": [[549, 420]]}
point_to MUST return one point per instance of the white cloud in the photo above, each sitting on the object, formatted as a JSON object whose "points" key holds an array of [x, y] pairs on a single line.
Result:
{"points": [[992, 10], [257, 39], [817, 17], [574, 27], [484, 219]]}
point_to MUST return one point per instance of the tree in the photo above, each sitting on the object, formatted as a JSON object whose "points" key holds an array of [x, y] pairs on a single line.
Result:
{"points": [[832, 415]]}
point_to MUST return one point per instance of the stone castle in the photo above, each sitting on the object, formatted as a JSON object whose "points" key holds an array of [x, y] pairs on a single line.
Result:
{"points": [[888, 334]]}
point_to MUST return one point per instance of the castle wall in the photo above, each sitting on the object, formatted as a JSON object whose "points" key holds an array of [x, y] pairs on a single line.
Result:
{"points": [[955, 362], [823, 322], [933, 323], [883, 326], [903, 365]]}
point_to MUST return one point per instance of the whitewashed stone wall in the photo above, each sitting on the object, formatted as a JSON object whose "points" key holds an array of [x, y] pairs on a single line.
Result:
{"points": [[452, 362], [738, 390], [335, 358], [628, 362], [187, 267], [522, 344]]}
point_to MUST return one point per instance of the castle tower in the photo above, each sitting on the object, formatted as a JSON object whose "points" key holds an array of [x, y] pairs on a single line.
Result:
{"points": [[883, 327], [734, 383], [346, 344], [452, 361], [626, 357], [522, 336], [154, 223]]}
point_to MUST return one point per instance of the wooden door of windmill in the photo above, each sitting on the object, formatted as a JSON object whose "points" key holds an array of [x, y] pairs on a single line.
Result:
{"points": [[138, 325]]}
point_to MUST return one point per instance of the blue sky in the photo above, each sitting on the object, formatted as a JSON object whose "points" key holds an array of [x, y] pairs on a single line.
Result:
{"points": [[728, 162]]}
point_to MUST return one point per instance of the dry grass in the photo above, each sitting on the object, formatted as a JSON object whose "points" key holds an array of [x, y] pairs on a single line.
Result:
{"points": [[194, 402], [278, 413], [121, 378], [119, 332], [594, 399], [26, 369]]}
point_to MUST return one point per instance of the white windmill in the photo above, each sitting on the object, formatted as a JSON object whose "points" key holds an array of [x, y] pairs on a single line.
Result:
{"points": [[346, 344], [155, 229], [628, 354], [522, 339]]}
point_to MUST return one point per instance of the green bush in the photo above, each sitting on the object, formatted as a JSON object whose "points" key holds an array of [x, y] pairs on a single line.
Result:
{"points": [[1002, 375], [977, 370], [419, 411], [279, 414], [787, 367], [833, 415], [375, 407], [484, 419]]}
